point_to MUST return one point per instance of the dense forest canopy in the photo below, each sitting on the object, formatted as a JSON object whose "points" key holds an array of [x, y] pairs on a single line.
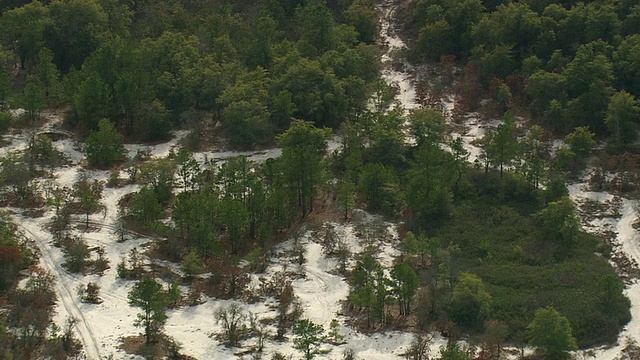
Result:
{"points": [[151, 66], [568, 63], [493, 248]]}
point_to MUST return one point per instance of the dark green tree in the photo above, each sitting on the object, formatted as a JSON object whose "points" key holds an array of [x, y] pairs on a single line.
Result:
{"points": [[49, 77], [471, 302], [235, 218], [76, 30], [622, 117], [92, 100], [315, 22], [363, 18], [581, 141], [104, 147], [405, 284], [543, 87], [561, 224], [625, 64], [158, 175], [144, 206], [501, 145], [33, 98], [23, 30], [303, 148], [308, 337], [317, 93], [379, 186], [152, 299]]}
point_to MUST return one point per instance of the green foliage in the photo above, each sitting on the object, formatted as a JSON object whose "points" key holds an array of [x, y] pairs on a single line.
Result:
{"points": [[6, 88], [501, 145], [453, 352], [364, 19], [49, 77], [581, 141], [17, 175], [91, 100], [303, 147], [317, 94], [152, 299], [76, 254], [471, 302], [76, 31], [621, 118], [144, 206], [370, 288], [33, 307], [12, 256], [33, 98], [308, 337], [523, 263], [88, 194], [192, 213], [104, 147], [379, 186], [334, 334], [158, 175], [23, 30], [551, 333], [316, 25], [6, 120], [405, 285], [192, 264], [561, 224]]}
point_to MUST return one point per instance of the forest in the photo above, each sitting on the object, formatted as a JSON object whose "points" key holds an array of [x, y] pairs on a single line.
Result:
{"points": [[491, 251]]}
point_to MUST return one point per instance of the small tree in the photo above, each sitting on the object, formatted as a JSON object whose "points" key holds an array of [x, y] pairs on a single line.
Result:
{"points": [[232, 318], [33, 98], [346, 196], [308, 337], [104, 147], [174, 295], [419, 349], [89, 195], [493, 339], [192, 264], [405, 285], [90, 293], [149, 296], [335, 337], [76, 253], [581, 141], [454, 352], [33, 307], [550, 332]]}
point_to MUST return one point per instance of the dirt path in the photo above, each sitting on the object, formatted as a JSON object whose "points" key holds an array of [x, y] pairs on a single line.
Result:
{"points": [[64, 286]]}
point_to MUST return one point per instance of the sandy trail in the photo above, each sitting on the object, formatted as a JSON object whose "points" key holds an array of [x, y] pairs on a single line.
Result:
{"points": [[65, 286]]}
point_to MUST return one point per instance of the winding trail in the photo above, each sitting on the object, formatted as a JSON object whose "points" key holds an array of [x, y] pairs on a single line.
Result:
{"points": [[64, 286], [320, 292], [392, 44], [626, 244]]}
